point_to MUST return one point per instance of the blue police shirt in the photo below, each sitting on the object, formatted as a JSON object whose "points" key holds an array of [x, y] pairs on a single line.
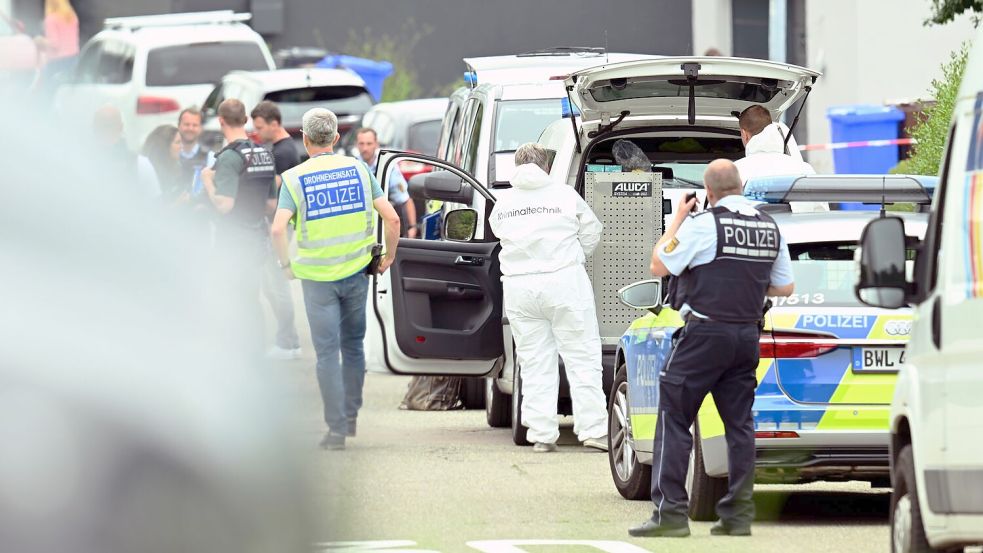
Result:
{"points": [[696, 244], [399, 190]]}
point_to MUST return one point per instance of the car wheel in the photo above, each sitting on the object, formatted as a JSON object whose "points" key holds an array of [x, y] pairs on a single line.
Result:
{"points": [[498, 406], [473, 393], [518, 431], [704, 491], [907, 531], [631, 477]]}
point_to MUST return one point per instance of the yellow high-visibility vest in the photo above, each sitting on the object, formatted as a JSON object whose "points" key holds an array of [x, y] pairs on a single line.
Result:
{"points": [[334, 218]]}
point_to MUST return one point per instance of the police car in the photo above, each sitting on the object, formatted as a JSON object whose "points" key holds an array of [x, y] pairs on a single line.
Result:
{"points": [[828, 363]]}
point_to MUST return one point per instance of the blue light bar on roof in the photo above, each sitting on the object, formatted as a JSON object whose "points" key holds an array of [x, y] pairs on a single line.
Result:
{"points": [[565, 108], [868, 189], [470, 78]]}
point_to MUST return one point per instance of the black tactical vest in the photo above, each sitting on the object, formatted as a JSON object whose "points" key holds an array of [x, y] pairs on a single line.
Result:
{"points": [[256, 181], [732, 287]]}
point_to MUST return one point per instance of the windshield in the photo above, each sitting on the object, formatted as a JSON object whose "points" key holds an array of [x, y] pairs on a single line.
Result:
{"points": [[521, 121], [342, 100], [825, 274], [201, 63], [747, 89]]}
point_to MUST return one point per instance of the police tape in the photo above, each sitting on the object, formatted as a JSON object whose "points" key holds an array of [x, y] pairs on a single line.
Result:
{"points": [[858, 144]]}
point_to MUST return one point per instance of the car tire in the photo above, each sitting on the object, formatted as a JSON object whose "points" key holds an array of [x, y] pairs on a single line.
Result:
{"points": [[498, 406], [704, 491], [632, 478], [473, 393], [907, 530], [519, 432]]}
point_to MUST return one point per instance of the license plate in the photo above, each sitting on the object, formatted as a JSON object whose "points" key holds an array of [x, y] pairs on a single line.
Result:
{"points": [[877, 359]]}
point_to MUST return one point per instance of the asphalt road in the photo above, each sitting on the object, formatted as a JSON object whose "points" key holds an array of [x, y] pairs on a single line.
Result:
{"points": [[445, 481]]}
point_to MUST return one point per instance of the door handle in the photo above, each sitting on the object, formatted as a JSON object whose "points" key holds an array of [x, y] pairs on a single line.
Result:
{"points": [[470, 260]]}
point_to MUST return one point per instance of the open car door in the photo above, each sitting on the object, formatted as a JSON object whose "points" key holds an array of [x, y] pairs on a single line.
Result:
{"points": [[438, 309]]}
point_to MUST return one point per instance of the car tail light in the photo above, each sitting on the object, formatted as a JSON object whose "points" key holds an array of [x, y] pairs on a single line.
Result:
{"points": [[147, 105], [789, 344], [781, 434]]}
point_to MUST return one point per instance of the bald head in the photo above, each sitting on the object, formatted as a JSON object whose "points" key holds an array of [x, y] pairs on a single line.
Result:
{"points": [[721, 178]]}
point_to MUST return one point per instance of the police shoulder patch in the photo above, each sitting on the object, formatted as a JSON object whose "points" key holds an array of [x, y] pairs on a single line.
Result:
{"points": [[671, 245]]}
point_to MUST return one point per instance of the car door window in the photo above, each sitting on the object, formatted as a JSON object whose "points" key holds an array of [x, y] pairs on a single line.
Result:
{"points": [[460, 129], [115, 65], [928, 263], [473, 139]]}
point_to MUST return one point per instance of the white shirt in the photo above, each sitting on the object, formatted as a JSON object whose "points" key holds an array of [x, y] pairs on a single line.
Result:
{"points": [[543, 226], [765, 157]]}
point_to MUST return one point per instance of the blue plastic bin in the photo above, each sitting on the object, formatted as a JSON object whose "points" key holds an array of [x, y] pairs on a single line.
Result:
{"points": [[372, 72], [864, 122]]}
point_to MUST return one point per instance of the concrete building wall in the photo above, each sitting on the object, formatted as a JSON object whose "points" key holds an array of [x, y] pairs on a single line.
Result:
{"points": [[712, 26], [872, 52]]}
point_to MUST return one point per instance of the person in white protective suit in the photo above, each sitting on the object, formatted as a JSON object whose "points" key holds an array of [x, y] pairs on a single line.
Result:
{"points": [[547, 231], [765, 153]]}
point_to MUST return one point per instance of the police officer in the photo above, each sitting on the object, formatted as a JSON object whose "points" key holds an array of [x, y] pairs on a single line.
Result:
{"points": [[332, 201], [726, 261], [241, 188]]}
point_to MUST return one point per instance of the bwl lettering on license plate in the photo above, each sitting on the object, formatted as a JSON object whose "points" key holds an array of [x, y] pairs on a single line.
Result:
{"points": [[877, 359]]}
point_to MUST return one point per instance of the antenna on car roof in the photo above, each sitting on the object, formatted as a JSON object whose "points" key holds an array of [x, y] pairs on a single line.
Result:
{"points": [[883, 195]]}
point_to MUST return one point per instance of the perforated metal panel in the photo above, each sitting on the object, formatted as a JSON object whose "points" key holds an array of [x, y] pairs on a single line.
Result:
{"points": [[632, 225]]}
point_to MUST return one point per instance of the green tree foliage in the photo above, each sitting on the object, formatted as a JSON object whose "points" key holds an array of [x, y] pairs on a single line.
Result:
{"points": [[397, 49], [931, 134], [944, 11]]}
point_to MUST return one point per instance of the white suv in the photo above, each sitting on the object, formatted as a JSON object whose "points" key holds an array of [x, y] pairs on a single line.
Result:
{"points": [[151, 67], [439, 309]]}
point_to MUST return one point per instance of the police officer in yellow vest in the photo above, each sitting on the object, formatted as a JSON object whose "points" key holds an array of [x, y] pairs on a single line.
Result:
{"points": [[332, 201]]}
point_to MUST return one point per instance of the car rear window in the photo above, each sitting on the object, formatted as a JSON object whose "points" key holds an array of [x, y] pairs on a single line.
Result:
{"points": [[521, 121], [342, 100], [423, 137], [201, 63], [825, 274], [758, 91]]}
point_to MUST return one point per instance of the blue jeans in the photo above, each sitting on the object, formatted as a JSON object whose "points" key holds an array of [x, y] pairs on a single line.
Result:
{"points": [[336, 314]]}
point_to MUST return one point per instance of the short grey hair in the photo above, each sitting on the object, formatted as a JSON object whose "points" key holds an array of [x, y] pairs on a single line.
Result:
{"points": [[320, 126], [531, 152]]}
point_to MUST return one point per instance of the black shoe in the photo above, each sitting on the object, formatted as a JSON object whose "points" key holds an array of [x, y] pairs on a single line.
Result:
{"points": [[350, 429], [649, 529], [721, 528], [333, 441]]}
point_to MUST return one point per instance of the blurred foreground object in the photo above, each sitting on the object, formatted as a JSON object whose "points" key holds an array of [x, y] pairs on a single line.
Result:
{"points": [[130, 417]]}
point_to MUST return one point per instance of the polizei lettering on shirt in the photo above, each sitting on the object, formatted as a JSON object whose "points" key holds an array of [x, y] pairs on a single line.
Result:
{"points": [[529, 210], [749, 239], [334, 192]]}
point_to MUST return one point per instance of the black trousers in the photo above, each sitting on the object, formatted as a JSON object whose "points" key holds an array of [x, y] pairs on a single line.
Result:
{"points": [[720, 359]]}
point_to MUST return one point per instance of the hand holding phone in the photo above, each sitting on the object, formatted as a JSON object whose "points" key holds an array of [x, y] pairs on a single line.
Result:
{"points": [[691, 196]]}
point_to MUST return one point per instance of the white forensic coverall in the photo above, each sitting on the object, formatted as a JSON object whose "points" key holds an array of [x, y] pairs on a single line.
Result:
{"points": [[764, 156], [547, 231]]}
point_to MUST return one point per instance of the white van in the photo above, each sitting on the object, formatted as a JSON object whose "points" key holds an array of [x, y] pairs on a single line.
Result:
{"points": [[937, 412], [438, 311]]}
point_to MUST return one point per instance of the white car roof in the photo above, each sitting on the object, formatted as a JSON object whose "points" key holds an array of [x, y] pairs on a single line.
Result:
{"points": [[532, 91], [282, 79], [425, 109], [155, 37], [535, 67], [839, 226]]}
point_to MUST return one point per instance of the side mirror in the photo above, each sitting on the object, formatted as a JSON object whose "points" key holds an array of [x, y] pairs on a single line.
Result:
{"points": [[882, 264], [460, 225], [646, 294], [440, 185]]}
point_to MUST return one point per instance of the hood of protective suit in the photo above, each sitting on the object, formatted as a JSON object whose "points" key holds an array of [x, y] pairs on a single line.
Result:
{"points": [[768, 141], [530, 177]]}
